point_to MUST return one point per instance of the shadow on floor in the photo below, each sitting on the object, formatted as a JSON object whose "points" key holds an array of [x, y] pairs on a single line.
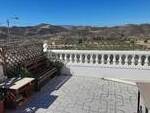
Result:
{"points": [[44, 98]]}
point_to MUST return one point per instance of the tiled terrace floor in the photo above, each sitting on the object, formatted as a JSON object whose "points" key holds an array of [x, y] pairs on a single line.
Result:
{"points": [[66, 94]]}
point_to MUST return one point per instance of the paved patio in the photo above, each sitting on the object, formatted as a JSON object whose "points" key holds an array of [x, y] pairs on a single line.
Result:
{"points": [[74, 94]]}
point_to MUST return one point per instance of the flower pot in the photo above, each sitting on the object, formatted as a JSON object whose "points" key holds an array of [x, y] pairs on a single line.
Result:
{"points": [[1, 106]]}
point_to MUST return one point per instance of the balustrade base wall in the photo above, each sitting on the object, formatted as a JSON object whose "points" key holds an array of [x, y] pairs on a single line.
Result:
{"points": [[110, 72]]}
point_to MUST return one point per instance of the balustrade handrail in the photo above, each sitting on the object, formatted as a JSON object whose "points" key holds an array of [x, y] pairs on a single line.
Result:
{"points": [[102, 51]]}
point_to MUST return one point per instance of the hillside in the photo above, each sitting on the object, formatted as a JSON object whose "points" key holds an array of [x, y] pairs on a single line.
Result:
{"points": [[38, 31], [46, 30]]}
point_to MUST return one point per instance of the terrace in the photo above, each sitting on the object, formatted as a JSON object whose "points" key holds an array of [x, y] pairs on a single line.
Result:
{"points": [[93, 82], [80, 94]]}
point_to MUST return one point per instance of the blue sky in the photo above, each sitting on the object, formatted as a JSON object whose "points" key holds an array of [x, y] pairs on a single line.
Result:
{"points": [[75, 12]]}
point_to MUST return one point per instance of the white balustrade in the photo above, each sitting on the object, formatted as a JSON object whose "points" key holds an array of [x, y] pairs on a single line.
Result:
{"points": [[104, 58], [127, 65]]}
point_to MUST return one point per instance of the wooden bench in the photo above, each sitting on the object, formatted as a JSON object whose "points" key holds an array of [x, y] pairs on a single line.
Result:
{"points": [[41, 69]]}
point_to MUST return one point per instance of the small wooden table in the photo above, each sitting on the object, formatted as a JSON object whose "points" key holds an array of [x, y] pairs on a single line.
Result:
{"points": [[20, 91], [21, 83]]}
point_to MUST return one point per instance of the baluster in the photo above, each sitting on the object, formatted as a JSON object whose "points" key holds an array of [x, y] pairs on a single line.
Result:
{"points": [[114, 60], [75, 58], [80, 59], [108, 59], [139, 60], [120, 60], [132, 60], [126, 60], [86, 60], [102, 58], [70, 58], [60, 57], [91, 58], [96, 59], [146, 60]]}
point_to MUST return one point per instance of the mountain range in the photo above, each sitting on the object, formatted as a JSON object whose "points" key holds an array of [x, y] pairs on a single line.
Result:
{"points": [[43, 30]]}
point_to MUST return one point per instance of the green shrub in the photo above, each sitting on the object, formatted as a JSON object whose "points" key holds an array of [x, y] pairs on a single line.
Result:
{"points": [[24, 72]]}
